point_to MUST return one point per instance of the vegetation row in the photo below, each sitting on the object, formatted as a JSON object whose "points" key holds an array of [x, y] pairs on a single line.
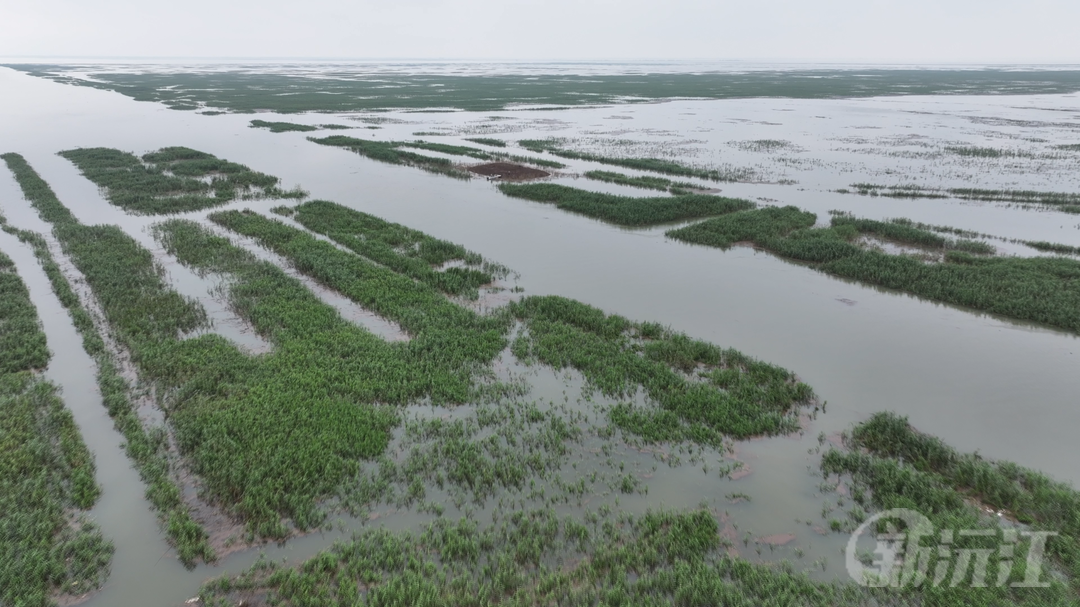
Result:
{"points": [[172, 180], [1038, 289], [140, 310], [626, 210], [656, 165]]}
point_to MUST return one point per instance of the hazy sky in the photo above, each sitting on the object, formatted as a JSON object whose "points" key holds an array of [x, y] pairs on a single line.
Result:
{"points": [[825, 30]]}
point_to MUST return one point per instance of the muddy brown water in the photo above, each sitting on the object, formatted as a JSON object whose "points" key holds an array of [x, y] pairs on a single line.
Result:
{"points": [[983, 383]]}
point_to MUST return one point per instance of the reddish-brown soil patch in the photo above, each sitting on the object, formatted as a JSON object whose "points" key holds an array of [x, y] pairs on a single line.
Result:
{"points": [[507, 170]]}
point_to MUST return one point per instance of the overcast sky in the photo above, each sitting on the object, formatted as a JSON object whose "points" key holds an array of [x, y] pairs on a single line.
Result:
{"points": [[937, 31]]}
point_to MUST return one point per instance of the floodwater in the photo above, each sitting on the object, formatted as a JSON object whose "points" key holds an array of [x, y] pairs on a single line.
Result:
{"points": [[1003, 388]]}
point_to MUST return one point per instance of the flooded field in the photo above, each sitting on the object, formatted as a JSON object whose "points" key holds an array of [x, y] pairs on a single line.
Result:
{"points": [[520, 429]]}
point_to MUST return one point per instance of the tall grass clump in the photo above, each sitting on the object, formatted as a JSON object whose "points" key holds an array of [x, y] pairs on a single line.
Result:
{"points": [[626, 210], [283, 127], [172, 180], [403, 250], [895, 466], [142, 312], [1041, 289]]}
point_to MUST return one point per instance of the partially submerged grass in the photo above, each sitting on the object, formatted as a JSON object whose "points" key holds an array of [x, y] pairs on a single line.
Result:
{"points": [[1062, 201], [626, 210], [285, 127], [656, 165], [172, 180], [1043, 290], [388, 152], [497, 143], [1052, 247], [702, 392], [647, 182], [894, 466]]}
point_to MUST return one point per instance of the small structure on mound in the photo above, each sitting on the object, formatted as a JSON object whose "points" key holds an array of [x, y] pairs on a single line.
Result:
{"points": [[507, 170]]}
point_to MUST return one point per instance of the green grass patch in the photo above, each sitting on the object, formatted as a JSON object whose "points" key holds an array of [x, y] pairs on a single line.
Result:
{"points": [[646, 182], [626, 210], [1052, 247], [285, 127], [497, 143], [1043, 290], [445, 148], [1062, 201], [172, 180]]}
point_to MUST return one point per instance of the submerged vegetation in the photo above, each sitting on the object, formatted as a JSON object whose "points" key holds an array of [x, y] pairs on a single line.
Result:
{"points": [[497, 143], [46, 471], [656, 165], [894, 466], [626, 210], [172, 180], [1061, 201], [1040, 289], [285, 127]]}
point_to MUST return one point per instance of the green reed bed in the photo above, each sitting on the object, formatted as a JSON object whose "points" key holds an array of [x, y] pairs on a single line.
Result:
{"points": [[22, 343], [495, 143], [1041, 289], [141, 311], [294, 425], [905, 231], [46, 471], [1052, 247], [445, 148], [626, 210], [46, 478], [895, 466], [286, 127], [646, 182], [702, 392], [656, 165], [403, 250], [172, 180], [388, 152]]}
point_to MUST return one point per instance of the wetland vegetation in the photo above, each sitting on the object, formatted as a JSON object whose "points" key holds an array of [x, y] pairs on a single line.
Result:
{"points": [[626, 210], [656, 165], [1037, 289], [646, 182], [172, 180], [285, 127], [1060, 201], [247, 91], [47, 473]]}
